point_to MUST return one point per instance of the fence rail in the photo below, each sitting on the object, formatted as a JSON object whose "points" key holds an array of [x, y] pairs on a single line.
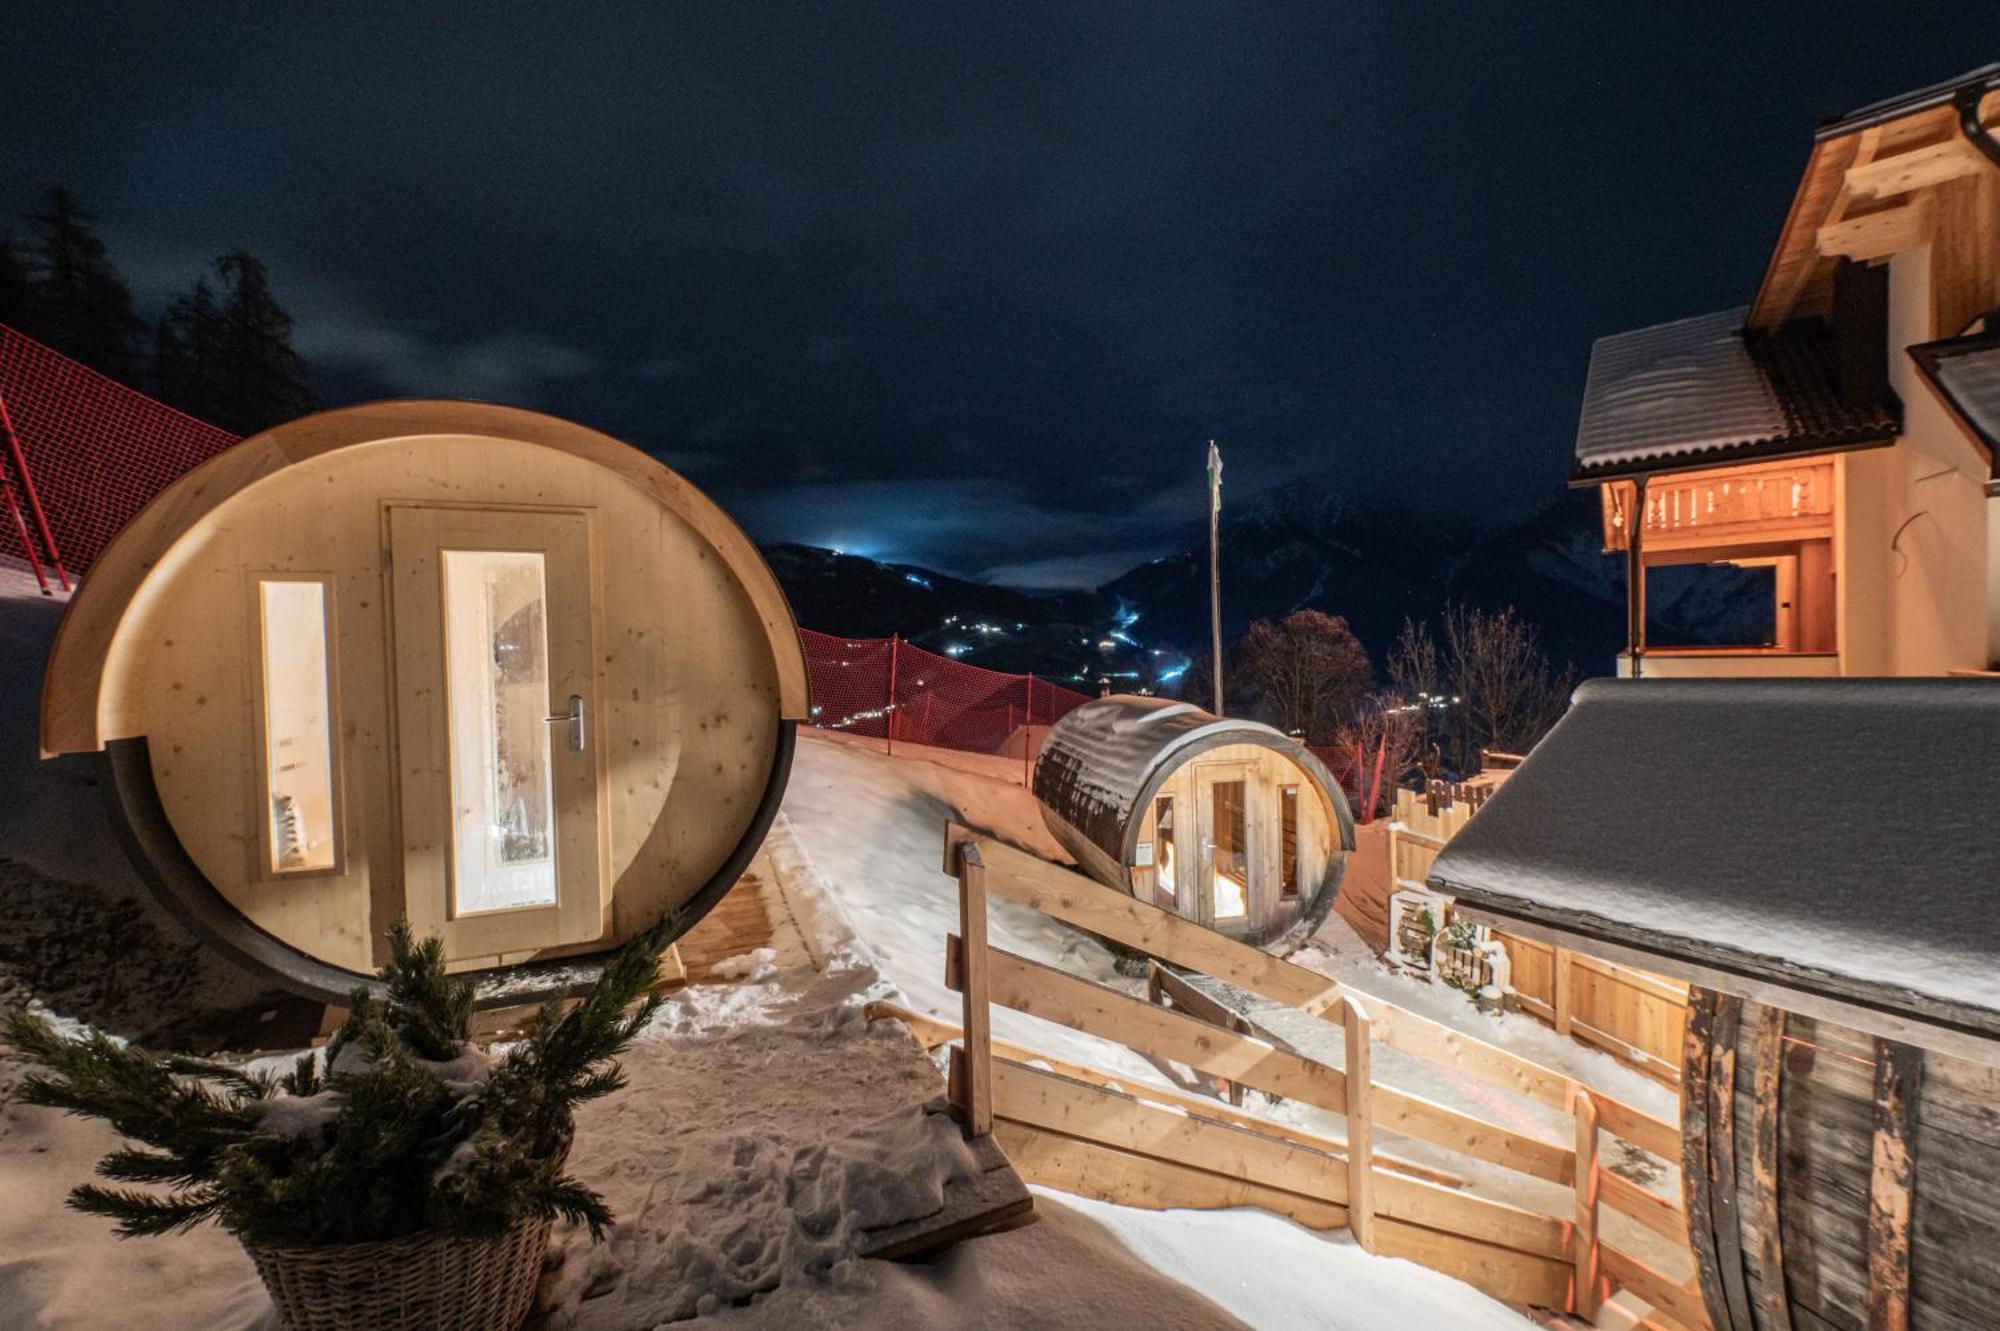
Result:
{"points": [[1081, 1130]]}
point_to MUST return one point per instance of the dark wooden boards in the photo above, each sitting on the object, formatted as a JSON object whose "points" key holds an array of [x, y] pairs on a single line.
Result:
{"points": [[1898, 1076]]}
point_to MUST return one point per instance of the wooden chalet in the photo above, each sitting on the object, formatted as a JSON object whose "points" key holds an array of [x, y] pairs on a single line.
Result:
{"points": [[1816, 860], [1838, 431]]}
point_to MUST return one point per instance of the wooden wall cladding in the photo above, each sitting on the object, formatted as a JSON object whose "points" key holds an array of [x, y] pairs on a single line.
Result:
{"points": [[1834, 1181]]}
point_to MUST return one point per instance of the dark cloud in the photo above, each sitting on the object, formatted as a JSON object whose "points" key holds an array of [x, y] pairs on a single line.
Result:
{"points": [[974, 282]]}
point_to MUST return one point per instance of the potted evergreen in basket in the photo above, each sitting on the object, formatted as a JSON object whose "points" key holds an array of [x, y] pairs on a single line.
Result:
{"points": [[407, 1180]]}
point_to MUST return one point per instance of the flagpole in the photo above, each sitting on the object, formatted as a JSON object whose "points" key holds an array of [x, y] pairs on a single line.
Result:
{"points": [[1215, 566]]}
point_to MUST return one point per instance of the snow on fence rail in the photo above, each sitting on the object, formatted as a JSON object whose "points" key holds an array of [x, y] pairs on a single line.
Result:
{"points": [[888, 690], [1080, 1130]]}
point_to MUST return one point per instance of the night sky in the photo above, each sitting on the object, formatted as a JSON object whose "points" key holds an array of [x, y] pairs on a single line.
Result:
{"points": [[965, 285]]}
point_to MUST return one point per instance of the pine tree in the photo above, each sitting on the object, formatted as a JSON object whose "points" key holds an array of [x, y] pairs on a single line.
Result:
{"points": [[15, 295], [224, 353], [404, 1128], [78, 303]]}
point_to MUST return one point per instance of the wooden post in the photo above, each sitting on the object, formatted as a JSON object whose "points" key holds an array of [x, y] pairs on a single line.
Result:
{"points": [[1583, 1238], [1560, 998], [1899, 1072], [1028, 738], [889, 706], [1215, 567], [1360, 1126], [976, 1083], [1635, 578]]}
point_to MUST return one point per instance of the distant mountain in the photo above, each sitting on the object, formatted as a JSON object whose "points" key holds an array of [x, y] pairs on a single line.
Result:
{"points": [[1298, 546], [1072, 637]]}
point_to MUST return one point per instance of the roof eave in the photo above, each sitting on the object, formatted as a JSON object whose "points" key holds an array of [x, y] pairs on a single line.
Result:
{"points": [[1896, 1013], [1763, 450]]}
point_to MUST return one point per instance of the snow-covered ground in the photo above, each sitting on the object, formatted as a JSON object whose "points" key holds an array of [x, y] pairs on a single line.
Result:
{"points": [[765, 1124]]}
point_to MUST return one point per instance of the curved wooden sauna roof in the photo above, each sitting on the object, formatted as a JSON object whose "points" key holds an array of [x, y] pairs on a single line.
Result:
{"points": [[78, 717], [1104, 761]]}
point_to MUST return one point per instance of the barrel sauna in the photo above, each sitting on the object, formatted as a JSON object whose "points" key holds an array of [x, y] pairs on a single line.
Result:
{"points": [[1228, 823], [481, 668], [1815, 858]]}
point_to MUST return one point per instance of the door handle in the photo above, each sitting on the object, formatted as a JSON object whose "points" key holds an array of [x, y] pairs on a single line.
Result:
{"points": [[573, 718]]}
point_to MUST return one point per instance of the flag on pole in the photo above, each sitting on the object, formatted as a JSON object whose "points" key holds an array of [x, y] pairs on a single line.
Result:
{"points": [[1214, 476]]}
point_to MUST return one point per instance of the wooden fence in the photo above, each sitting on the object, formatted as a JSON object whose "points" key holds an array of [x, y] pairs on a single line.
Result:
{"points": [[1087, 1131], [1633, 1015]]}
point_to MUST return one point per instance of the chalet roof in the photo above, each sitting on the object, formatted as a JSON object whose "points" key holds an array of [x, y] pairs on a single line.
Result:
{"points": [[1833, 837], [1965, 371], [1701, 391], [1910, 103]]}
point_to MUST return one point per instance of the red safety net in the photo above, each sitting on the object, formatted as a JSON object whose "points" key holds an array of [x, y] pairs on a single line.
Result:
{"points": [[92, 453], [891, 691], [87, 453]]}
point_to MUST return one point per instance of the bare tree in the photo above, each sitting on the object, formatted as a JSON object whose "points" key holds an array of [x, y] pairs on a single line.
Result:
{"points": [[1386, 729], [1505, 691], [1308, 670]]}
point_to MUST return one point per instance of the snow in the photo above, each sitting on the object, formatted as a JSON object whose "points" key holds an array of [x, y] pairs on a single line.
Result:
{"points": [[1271, 1273], [764, 1126], [872, 827]]}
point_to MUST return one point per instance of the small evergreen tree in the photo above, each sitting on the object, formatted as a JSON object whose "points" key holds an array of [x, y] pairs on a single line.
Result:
{"points": [[404, 1127]]}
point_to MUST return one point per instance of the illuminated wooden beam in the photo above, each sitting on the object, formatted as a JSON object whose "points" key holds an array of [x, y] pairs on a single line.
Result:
{"points": [[1879, 234], [1919, 168]]}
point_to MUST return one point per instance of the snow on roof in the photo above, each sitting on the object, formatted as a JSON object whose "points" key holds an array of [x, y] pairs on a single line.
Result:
{"points": [[1966, 373], [1700, 388], [1833, 836]]}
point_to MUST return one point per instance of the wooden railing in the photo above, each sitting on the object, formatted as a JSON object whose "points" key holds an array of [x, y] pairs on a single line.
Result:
{"points": [[1087, 1131], [1637, 1017], [1784, 500]]}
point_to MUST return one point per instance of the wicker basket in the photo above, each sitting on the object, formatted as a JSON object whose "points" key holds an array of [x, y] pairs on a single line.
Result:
{"points": [[421, 1283]]}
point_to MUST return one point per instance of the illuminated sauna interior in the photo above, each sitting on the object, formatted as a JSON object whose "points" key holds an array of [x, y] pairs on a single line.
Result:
{"points": [[1225, 822]]}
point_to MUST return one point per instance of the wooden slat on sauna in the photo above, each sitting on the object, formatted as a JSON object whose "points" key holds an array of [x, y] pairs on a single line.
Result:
{"points": [[1898, 1081], [1697, 1071], [1761, 1073], [1722, 1162]]}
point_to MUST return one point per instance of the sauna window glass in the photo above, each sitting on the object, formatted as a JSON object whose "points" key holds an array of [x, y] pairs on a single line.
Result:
{"points": [[298, 730], [1163, 840], [1288, 840], [497, 685], [1232, 850]]}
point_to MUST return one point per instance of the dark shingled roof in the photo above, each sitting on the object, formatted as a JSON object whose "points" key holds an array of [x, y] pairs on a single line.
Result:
{"points": [[1701, 392], [1835, 837], [1966, 373]]}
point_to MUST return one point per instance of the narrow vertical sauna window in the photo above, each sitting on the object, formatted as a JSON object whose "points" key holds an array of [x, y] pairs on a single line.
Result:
{"points": [[497, 687], [1163, 841], [298, 731], [1232, 851], [1288, 841]]}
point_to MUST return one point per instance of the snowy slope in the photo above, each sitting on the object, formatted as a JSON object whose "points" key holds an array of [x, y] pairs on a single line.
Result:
{"points": [[763, 1126]]}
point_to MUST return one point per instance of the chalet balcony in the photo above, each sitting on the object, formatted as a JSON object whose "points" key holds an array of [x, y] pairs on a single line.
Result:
{"points": [[1714, 510], [1732, 663]]}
